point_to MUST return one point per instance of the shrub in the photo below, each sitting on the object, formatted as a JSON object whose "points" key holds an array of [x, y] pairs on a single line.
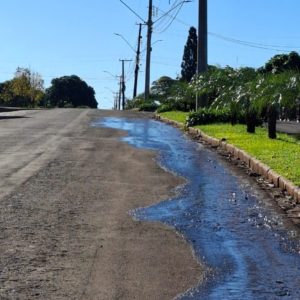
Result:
{"points": [[207, 116], [165, 107], [148, 106], [140, 104]]}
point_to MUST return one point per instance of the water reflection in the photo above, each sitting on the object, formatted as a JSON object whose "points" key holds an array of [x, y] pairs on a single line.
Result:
{"points": [[231, 227]]}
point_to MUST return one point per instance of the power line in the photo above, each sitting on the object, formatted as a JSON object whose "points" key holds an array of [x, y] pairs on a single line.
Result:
{"points": [[177, 4], [133, 11], [252, 44], [171, 9], [172, 19], [236, 41]]}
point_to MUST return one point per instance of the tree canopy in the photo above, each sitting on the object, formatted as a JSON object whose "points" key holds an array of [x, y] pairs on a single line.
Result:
{"points": [[189, 60], [161, 88], [282, 62], [26, 89], [70, 91]]}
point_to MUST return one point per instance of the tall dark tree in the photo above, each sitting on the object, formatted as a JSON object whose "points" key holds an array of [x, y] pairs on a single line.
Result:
{"points": [[70, 90], [189, 60]]}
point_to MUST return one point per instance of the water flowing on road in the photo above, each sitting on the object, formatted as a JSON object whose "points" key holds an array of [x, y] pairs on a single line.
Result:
{"points": [[252, 252]]}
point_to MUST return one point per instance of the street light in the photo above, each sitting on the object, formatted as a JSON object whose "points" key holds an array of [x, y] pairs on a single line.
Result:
{"points": [[157, 41], [125, 40], [109, 73], [117, 104], [137, 60]]}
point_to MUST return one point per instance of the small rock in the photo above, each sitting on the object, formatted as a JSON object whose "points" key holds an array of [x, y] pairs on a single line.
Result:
{"points": [[279, 281], [282, 293]]}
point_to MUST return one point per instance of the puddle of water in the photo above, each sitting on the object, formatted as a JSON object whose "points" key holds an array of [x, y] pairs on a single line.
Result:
{"points": [[232, 229]]}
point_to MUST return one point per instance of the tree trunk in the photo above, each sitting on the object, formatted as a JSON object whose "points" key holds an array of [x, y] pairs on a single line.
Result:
{"points": [[272, 117], [251, 121]]}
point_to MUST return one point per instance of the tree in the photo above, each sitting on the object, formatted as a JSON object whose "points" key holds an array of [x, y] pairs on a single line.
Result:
{"points": [[182, 96], [6, 93], [282, 62], [189, 60], [70, 91], [25, 89], [272, 117], [161, 88]]}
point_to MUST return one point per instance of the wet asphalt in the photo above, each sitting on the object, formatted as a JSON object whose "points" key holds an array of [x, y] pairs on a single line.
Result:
{"points": [[251, 251]]}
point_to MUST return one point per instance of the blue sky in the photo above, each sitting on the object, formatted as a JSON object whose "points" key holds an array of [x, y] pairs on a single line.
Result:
{"points": [[65, 37]]}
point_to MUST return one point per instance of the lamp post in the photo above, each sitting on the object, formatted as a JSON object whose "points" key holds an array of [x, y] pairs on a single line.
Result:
{"points": [[137, 59], [117, 102]]}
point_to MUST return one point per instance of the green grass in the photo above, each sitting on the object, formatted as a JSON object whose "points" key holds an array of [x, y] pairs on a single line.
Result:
{"points": [[281, 154], [178, 116]]}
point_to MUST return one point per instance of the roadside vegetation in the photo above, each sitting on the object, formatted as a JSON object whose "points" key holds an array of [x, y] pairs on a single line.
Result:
{"points": [[27, 90], [178, 116], [281, 154], [240, 106], [240, 96]]}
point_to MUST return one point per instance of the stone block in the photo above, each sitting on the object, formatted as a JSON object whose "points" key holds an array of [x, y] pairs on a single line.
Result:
{"points": [[223, 145], [290, 188], [297, 195], [214, 142], [204, 136], [263, 169], [254, 165], [245, 157], [193, 130], [230, 148], [273, 177], [282, 183]]}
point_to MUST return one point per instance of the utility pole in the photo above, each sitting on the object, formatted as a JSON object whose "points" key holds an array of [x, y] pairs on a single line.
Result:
{"points": [[137, 61], [119, 94], [116, 96], [202, 44], [122, 83], [148, 57], [149, 24]]}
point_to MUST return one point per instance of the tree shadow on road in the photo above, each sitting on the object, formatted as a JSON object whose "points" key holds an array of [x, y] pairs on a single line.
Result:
{"points": [[12, 117]]}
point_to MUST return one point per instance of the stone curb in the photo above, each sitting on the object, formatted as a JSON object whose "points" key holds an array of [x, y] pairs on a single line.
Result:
{"points": [[251, 162]]}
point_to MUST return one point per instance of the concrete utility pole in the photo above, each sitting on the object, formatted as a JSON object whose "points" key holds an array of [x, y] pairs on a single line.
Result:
{"points": [[202, 43], [148, 57], [119, 94], [116, 97], [137, 61], [122, 82]]}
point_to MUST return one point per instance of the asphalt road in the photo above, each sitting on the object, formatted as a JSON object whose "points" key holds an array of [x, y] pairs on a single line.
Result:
{"points": [[65, 192], [288, 127]]}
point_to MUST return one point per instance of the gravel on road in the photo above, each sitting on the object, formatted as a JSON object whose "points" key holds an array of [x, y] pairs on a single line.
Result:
{"points": [[65, 192]]}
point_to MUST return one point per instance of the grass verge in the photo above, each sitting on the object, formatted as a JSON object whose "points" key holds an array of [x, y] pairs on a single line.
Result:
{"points": [[282, 154], [178, 116]]}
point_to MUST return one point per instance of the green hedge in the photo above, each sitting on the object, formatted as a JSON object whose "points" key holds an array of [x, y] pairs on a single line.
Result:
{"points": [[148, 106], [207, 116]]}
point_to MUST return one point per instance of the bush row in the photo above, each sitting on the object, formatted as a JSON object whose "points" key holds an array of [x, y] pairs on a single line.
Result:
{"points": [[225, 115], [206, 116]]}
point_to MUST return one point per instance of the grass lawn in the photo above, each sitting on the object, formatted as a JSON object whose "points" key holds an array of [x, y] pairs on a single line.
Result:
{"points": [[178, 116], [282, 154]]}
